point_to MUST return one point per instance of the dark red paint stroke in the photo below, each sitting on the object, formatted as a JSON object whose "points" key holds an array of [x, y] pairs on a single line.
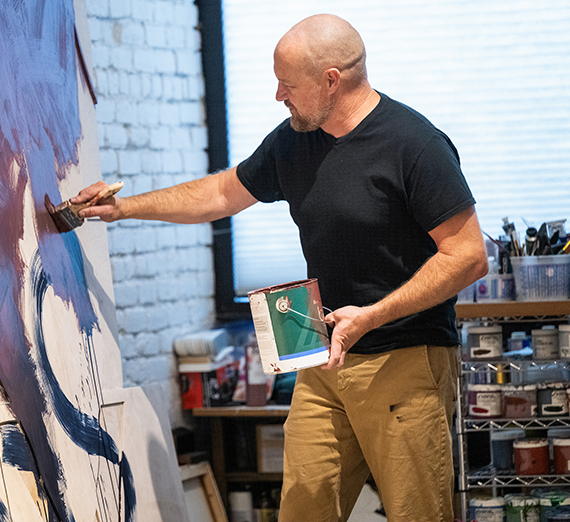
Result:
{"points": [[39, 132]]}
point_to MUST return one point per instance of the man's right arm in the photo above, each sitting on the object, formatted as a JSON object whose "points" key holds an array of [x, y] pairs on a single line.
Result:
{"points": [[198, 201]]}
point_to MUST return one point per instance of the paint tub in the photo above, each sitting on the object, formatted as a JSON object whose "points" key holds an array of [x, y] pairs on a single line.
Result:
{"points": [[485, 342], [518, 402], [561, 456], [552, 399], [558, 514], [289, 325], [487, 509], [522, 508], [484, 400], [564, 340], [502, 448], [532, 457], [545, 344], [550, 499]]}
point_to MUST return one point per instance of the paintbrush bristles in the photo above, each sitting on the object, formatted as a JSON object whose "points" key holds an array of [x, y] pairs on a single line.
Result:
{"points": [[65, 215]]}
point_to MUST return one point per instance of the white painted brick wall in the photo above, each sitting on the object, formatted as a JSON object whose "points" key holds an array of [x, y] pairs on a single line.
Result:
{"points": [[148, 79]]}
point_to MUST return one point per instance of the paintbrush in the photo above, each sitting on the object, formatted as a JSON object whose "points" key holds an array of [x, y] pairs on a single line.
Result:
{"points": [[65, 215]]}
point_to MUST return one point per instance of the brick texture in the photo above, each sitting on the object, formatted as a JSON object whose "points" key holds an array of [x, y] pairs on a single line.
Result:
{"points": [[148, 78]]}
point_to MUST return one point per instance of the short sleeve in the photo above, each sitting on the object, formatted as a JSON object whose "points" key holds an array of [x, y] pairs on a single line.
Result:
{"points": [[258, 173], [436, 186]]}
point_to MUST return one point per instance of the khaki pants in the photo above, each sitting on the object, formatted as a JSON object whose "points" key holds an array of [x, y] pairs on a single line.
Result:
{"points": [[389, 414]]}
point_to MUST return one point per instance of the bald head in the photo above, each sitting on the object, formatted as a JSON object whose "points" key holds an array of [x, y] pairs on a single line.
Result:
{"points": [[324, 41]]}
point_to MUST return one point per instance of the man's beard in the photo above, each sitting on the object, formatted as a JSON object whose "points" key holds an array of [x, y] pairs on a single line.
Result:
{"points": [[310, 123]]}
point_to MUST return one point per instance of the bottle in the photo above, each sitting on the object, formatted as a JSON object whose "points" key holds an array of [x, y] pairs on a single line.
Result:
{"points": [[256, 387]]}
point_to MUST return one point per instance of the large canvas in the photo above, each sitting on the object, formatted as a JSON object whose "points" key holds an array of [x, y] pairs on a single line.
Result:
{"points": [[62, 447]]}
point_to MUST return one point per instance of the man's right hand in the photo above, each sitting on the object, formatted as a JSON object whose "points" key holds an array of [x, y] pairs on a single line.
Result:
{"points": [[108, 209]]}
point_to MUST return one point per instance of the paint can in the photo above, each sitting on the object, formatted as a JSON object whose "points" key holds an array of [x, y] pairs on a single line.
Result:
{"points": [[522, 508], [558, 514], [561, 456], [552, 399], [502, 456], [550, 500], [519, 402], [290, 327], [484, 400], [564, 340], [532, 457], [545, 344], [485, 342], [487, 509]]}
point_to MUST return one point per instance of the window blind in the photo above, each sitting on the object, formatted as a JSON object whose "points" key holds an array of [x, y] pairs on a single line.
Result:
{"points": [[494, 76]]}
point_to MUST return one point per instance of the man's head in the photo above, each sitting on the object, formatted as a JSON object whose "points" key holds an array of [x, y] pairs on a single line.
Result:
{"points": [[318, 61]]}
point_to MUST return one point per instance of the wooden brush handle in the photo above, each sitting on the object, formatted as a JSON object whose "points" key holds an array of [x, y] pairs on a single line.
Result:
{"points": [[111, 190]]}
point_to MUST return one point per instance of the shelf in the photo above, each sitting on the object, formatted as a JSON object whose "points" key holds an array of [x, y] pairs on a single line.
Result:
{"points": [[489, 478], [535, 423], [271, 410], [506, 365], [514, 310]]}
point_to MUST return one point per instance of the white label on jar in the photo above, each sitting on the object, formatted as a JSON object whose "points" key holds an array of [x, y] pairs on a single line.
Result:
{"points": [[545, 347], [486, 405], [482, 514], [490, 345], [558, 404]]}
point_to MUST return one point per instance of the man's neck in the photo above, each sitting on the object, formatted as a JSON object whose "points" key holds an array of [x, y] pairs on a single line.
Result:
{"points": [[350, 111]]}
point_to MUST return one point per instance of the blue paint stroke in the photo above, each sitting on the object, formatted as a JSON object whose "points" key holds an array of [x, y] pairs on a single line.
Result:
{"points": [[84, 430], [4, 515], [17, 453]]}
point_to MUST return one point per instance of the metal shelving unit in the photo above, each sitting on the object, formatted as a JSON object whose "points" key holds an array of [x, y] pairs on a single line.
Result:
{"points": [[488, 477]]}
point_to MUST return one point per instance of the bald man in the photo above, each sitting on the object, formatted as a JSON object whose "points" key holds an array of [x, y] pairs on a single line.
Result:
{"points": [[388, 226]]}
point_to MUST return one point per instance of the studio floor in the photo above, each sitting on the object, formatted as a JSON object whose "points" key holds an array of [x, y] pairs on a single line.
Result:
{"points": [[366, 506]]}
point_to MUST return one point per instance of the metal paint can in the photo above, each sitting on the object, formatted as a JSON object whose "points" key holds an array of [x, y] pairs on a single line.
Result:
{"points": [[290, 327], [488, 509], [522, 508], [485, 342]]}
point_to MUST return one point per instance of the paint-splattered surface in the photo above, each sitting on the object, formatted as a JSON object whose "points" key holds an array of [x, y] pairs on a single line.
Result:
{"points": [[48, 364]]}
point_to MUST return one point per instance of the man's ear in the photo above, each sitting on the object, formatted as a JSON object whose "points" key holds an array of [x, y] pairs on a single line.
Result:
{"points": [[333, 79]]}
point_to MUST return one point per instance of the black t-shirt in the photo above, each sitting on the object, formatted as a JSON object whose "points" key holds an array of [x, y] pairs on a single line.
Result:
{"points": [[364, 204]]}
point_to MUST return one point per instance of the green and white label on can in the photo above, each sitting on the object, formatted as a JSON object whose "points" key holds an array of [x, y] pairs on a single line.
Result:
{"points": [[289, 326]]}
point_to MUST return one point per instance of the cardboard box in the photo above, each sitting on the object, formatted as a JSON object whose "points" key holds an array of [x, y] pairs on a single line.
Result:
{"points": [[270, 442], [208, 384]]}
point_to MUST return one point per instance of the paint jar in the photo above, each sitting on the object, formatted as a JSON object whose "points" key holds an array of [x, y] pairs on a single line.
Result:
{"points": [[552, 399], [561, 456], [502, 456], [564, 340], [532, 457], [550, 500], [485, 342], [518, 402], [545, 344], [558, 514], [484, 400], [487, 509], [522, 508]]}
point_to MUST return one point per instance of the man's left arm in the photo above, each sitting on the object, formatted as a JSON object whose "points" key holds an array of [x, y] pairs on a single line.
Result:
{"points": [[460, 260]]}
